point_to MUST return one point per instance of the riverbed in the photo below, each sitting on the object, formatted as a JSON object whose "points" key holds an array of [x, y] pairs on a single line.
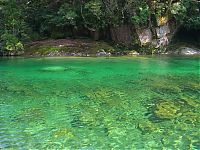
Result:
{"points": [[100, 103]]}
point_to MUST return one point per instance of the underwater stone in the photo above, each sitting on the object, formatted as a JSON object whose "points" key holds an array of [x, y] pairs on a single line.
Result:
{"points": [[147, 127], [54, 68], [167, 110]]}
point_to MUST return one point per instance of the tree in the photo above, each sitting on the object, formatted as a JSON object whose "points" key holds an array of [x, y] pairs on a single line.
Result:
{"points": [[13, 26], [93, 15]]}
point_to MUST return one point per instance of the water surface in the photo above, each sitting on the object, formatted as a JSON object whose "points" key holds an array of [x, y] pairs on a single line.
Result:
{"points": [[100, 103]]}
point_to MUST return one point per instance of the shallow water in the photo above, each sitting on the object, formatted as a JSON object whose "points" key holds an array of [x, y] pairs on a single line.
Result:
{"points": [[100, 103]]}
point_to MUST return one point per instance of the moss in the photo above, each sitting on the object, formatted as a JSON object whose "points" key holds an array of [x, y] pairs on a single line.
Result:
{"points": [[97, 46], [91, 47], [41, 50]]}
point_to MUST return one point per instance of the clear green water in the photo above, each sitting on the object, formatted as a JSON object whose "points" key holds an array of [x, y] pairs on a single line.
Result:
{"points": [[99, 103]]}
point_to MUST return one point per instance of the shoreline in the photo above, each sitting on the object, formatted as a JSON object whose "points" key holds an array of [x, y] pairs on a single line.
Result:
{"points": [[107, 57], [89, 48]]}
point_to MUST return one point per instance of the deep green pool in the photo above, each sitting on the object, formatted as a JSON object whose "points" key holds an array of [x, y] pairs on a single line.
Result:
{"points": [[144, 103]]}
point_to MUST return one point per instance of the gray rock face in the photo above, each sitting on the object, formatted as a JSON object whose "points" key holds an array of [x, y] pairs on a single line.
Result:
{"points": [[162, 31], [145, 36], [159, 39], [162, 35]]}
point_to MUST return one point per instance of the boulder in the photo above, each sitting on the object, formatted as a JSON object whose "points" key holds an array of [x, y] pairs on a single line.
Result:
{"points": [[184, 51], [188, 51], [133, 53], [167, 110], [103, 53]]}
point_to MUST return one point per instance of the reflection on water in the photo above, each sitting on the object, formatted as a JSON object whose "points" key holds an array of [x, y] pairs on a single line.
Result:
{"points": [[119, 103]]}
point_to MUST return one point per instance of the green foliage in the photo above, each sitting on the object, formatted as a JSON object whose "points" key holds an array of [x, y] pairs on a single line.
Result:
{"points": [[192, 17], [11, 42], [148, 49], [13, 27], [187, 13], [178, 10], [13, 20], [66, 15], [94, 15], [161, 8], [114, 12], [142, 15], [23, 20]]}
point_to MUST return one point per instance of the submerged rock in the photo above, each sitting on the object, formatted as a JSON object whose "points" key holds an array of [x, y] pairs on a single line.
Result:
{"points": [[147, 127], [54, 68], [166, 110]]}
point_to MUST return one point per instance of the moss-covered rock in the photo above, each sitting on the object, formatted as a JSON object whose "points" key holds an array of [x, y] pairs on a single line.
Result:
{"points": [[167, 110], [147, 127]]}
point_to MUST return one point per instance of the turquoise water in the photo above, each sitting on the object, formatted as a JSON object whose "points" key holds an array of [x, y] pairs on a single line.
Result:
{"points": [[143, 103]]}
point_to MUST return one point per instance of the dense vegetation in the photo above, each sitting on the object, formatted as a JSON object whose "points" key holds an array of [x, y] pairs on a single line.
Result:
{"points": [[27, 20]]}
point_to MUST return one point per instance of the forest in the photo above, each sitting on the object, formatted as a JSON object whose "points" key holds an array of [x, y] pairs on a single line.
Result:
{"points": [[100, 74], [117, 21]]}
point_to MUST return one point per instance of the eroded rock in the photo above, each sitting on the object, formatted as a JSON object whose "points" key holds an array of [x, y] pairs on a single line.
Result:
{"points": [[145, 36]]}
